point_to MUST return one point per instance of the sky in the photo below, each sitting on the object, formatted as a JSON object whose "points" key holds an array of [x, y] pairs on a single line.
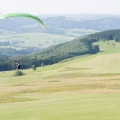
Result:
{"points": [[61, 6]]}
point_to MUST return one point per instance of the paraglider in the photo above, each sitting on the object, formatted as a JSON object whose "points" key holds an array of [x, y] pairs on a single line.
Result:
{"points": [[4, 16]]}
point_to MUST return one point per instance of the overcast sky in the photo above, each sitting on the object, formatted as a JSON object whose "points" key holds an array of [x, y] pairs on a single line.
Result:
{"points": [[61, 6]]}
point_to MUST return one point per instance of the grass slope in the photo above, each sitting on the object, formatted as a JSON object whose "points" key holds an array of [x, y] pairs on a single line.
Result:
{"points": [[81, 88]]}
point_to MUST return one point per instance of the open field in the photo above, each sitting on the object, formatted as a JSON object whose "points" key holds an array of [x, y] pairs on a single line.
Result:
{"points": [[80, 88], [77, 32], [42, 40]]}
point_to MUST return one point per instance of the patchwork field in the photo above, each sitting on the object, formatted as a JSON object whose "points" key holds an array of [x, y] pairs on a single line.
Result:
{"points": [[41, 40], [80, 88]]}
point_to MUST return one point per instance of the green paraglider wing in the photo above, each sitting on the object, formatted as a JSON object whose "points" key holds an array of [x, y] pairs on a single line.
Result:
{"points": [[3, 16]]}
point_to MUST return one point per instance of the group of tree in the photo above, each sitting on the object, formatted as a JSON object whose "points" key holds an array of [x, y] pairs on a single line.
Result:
{"points": [[10, 52], [107, 35]]}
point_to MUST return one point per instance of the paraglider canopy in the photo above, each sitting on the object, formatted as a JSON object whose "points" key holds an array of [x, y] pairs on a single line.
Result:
{"points": [[4, 16]]}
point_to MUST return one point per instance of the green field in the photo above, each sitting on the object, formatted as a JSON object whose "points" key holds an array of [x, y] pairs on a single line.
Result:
{"points": [[78, 32], [42, 40], [80, 88]]}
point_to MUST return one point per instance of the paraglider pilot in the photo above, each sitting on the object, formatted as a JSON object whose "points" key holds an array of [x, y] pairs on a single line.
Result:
{"points": [[18, 65]]}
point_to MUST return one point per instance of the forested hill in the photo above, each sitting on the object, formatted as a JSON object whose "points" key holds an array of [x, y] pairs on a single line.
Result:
{"points": [[60, 52], [107, 35]]}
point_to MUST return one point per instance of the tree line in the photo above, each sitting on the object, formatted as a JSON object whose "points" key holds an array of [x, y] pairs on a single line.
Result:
{"points": [[107, 35]]}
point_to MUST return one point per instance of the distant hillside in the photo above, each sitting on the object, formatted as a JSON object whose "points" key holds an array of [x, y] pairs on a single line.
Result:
{"points": [[60, 24], [99, 24]]}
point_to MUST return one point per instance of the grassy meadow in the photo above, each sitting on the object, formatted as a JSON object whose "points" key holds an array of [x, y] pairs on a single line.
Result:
{"points": [[80, 88]]}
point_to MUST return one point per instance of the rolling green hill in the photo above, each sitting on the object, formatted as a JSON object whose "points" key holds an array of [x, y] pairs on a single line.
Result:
{"points": [[81, 88]]}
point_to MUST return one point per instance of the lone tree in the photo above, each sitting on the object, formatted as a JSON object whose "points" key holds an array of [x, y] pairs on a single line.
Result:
{"points": [[18, 73], [33, 67]]}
